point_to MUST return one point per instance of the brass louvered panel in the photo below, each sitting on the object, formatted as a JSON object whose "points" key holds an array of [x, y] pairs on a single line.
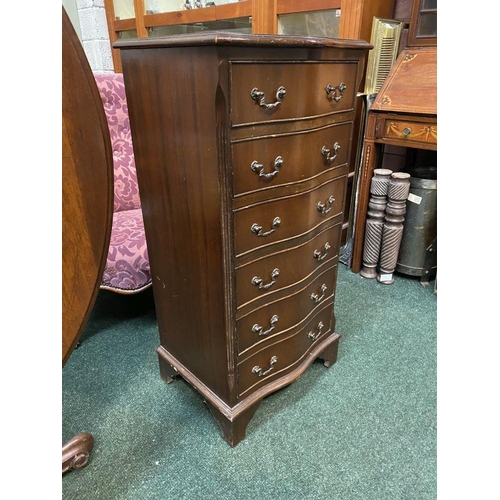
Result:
{"points": [[385, 39]]}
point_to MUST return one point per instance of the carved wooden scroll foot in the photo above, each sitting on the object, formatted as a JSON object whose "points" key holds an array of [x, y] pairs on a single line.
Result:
{"points": [[76, 452]]}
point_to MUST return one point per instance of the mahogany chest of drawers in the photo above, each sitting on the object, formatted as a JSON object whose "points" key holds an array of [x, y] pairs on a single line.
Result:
{"points": [[242, 144]]}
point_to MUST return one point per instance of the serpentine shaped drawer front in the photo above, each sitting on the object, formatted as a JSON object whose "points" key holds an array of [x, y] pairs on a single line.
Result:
{"points": [[255, 279], [282, 218], [274, 161], [282, 354], [262, 325], [263, 92]]}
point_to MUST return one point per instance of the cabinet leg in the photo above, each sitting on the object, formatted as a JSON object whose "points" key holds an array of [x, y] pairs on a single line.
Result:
{"points": [[329, 355], [76, 452], [233, 431], [167, 372], [368, 165]]}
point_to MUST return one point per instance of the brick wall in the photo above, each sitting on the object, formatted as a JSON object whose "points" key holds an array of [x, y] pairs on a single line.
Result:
{"points": [[95, 37]]}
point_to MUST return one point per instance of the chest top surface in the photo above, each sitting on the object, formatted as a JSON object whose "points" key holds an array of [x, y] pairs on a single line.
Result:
{"points": [[245, 40]]}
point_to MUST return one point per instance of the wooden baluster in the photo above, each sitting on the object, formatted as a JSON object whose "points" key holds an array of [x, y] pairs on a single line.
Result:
{"points": [[375, 221], [399, 187]]}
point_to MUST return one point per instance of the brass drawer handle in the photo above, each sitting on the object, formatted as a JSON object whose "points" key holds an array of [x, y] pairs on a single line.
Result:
{"points": [[326, 152], [258, 229], [258, 281], [341, 89], [258, 168], [258, 369], [320, 255], [260, 97], [258, 329], [318, 298], [313, 335], [324, 208], [406, 131]]}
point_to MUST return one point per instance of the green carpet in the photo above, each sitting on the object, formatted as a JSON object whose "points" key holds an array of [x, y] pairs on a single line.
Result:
{"points": [[363, 429]]}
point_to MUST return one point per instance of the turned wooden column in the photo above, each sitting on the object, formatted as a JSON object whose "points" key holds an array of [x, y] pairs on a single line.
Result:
{"points": [[375, 221], [399, 187]]}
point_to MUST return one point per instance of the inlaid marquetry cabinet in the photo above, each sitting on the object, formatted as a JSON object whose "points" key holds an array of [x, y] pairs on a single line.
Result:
{"points": [[242, 144]]}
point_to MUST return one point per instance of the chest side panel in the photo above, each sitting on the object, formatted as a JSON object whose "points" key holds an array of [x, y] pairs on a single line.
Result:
{"points": [[172, 95]]}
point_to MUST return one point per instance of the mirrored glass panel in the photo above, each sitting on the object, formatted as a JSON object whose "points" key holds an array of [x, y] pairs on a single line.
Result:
{"points": [[239, 25], [428, 24], [320, 23], [159, 6], [124, 9]]}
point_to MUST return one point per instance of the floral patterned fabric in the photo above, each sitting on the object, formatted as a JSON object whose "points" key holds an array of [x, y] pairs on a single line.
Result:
{"points": [[127, 267], [112, 91]]}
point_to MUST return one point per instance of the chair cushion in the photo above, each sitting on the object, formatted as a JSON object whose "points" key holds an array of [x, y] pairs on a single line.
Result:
{"points": [[127, 267], [112, 91]]}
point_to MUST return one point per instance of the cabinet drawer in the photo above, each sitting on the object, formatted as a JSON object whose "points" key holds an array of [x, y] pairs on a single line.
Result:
{"points": [[410, 131], [310, 89], [275, 220], [276, 318], [279, 270], [274, 161], [273, 360]]}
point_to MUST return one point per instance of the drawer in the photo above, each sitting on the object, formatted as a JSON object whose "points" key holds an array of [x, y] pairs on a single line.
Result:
{"points": [[273, 360], [275, 220], [278, 317], [409, 131], [274, 161], [285, 268], [263, 92]]}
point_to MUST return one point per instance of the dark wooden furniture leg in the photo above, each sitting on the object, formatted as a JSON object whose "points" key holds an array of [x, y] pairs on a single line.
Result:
{"points": [[369, 161], [233, 431], [329, 355], [167, 372]]}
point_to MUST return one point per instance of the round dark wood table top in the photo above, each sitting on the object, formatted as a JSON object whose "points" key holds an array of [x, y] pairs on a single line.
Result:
{"points": [[87, 189]]}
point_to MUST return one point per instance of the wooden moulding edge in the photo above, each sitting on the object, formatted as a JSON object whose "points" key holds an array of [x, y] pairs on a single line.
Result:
{"points": [[231, 413]]}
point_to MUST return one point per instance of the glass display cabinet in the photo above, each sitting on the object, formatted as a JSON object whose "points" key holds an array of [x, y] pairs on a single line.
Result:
{"points": [[423, 24], [349, 19]]}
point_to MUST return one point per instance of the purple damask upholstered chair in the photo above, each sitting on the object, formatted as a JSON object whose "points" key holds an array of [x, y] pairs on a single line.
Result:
{"points": [[127, 267]]}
